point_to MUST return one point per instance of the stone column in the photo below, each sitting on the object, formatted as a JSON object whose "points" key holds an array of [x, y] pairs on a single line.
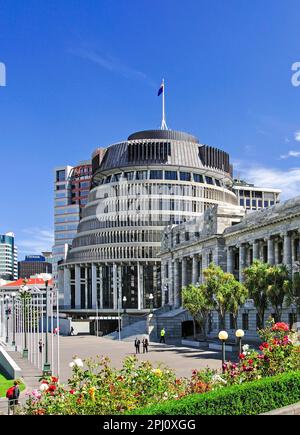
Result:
{"points": [[115, 286], [171, 283], [271, 252], [77, 286], [195, 269], [242, 260], [230, 259], [101, 287], [176, 284], [184, 272], [86, 275], [94, 285], [67, 287], [163, 283], [287, 251], [276, 252], [255, 250], [140, 286]]}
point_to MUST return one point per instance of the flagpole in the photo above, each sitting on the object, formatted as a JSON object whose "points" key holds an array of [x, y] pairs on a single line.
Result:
{"points": [[163, 123]]}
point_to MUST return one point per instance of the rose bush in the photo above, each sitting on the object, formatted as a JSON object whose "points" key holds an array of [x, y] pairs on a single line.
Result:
{"points": [[97, 388]]}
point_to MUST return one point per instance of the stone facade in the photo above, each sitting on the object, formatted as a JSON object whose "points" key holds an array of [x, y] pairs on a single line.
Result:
{"points": [[229, 238]]}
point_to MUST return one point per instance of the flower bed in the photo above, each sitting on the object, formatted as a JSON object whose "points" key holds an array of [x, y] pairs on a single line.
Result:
{"points": [[97, 388]]}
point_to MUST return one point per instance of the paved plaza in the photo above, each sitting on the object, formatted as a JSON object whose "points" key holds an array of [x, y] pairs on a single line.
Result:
{"points": [[182, 359]]}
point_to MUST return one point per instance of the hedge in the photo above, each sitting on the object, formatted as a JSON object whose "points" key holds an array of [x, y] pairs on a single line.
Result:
{"points": [[251, 398]]}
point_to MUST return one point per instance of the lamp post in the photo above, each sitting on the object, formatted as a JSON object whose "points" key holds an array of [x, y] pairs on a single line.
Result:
{"points": [[151, 297], [46, 367], [223, 336], [124, 304], [25, 294], [13, 295], [7, 317], [239, 333]]}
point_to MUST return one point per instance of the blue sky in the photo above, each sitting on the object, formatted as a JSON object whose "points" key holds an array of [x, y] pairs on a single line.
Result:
{"points": [[85, 73]]}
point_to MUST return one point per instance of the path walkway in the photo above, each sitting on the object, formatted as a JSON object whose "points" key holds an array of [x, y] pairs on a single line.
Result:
{"points": [[30, 375], [181, 359]]}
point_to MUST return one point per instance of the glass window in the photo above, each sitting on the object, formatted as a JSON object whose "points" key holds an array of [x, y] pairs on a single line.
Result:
{"points": [[218, 182], [198, 178], [129, 175], [185, 176], [85, 184], [116, 177], [141, 175], [61, 187], [170, 175], [245, 321], [253, 202], [247, 202], [259, 203], [61, 175], [209, 180], [156, 175], [242, 202], [108, 179], [271, 202], [266, 204]]}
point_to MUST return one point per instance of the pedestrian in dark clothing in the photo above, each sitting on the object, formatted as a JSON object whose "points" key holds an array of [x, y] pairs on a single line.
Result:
{"points": [[40, 346], [72, 331], [137, 344], [145, 345], [13, 394]]}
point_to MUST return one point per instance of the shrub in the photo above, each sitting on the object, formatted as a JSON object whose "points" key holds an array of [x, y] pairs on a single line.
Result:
{"points": [[250, 398]]}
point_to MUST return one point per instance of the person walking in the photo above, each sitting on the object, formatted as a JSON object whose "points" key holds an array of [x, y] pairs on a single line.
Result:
{"points": [[137, 344], [13, 394], [162, 336], [72, 331], [40, 346], [145, 345]]}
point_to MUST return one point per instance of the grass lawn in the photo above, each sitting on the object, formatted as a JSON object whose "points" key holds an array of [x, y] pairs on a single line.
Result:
{"points": [[5, 384]]}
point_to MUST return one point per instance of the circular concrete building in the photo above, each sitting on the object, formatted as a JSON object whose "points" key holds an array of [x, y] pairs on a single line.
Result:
{"points": [[154, 179]]}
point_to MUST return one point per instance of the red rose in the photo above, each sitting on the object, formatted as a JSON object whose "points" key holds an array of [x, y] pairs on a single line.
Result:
{"points": [[250, 362], [242, 356]]}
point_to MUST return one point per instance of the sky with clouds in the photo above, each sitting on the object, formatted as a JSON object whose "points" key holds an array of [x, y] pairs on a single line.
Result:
{"points": [[85, 73]]}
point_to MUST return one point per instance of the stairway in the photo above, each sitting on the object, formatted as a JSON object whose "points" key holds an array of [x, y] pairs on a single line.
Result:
{"points": [[129, 333]]}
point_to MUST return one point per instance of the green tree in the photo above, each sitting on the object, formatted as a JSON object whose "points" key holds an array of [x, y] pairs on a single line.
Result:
{"points": [[238, 296], [278, 288], [194, 299], [223, 291], [293, 294], [257, 281]]}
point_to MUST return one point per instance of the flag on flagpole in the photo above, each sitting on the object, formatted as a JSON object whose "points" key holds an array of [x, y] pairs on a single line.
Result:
{"points": [[161, 89]]}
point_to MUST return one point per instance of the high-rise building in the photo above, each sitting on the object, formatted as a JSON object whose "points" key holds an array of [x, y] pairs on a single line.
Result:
{"points": [[71, 189], [8, 257], [34, 265], [254, 198]]}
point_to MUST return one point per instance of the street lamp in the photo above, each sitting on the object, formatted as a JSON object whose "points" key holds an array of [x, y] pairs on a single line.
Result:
{"points": [[7, 317], [239, 333], [13, 295], [47, 367], [151, 297], [223, 336], [124, 303], [25, 294]]}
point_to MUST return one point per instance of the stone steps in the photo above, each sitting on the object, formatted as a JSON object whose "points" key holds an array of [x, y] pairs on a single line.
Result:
{"points": [[129, 333]]}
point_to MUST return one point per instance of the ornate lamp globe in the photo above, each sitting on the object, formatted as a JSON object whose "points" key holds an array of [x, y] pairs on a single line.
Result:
{"points": [[223, 336], [239, 333]]}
